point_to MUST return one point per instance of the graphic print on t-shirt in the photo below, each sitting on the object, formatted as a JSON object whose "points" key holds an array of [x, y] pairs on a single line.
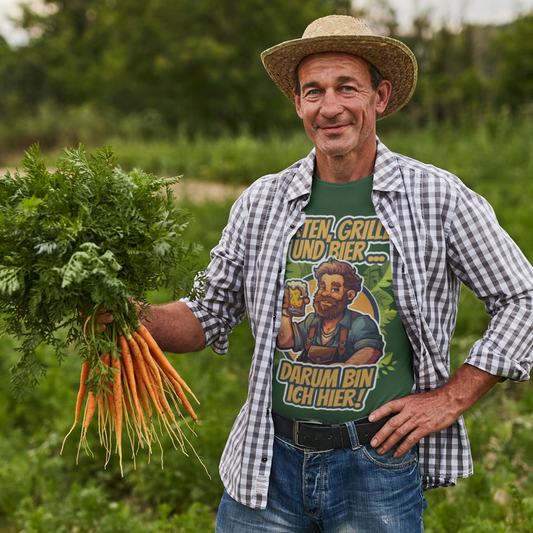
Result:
{"points": [[334, 346]]}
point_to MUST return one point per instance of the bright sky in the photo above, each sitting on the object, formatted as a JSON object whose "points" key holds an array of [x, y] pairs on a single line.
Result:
{"points": [[452, 11], [9, 8], [457, 11]]}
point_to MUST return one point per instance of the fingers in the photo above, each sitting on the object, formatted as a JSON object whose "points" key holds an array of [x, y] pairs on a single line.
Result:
{"points": [[417, 416], [400, 428], [394, 406], [394, 430], [105, 318], [102, 318]]}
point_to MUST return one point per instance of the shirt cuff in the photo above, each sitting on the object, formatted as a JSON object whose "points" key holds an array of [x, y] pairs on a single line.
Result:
{"points": [[497, 364], [431, 482], [215, 330]]}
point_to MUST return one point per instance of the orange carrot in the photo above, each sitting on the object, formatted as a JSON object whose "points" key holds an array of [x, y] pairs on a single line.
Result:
{"points": [[85, 369], [125, 397], [142, 380], [183, 398], [161, 359], [148, 359], [162, 400], [105, 440], [90, 408], [130, 376], [130, 373], [154, 375], [136, 352], [117, 398], [143, 394]]}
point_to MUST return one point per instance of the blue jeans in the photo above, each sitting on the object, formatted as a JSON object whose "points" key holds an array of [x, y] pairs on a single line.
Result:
{"points": [[352, 490]]}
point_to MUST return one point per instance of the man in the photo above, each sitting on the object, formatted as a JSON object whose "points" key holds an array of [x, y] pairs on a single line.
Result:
{"points": [[353, 199]]}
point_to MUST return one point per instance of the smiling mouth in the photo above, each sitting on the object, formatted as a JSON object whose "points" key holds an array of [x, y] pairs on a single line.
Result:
{"points": [[334, 128]]}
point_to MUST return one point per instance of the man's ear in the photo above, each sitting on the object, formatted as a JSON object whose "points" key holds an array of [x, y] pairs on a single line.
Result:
{"points": [[383, 93], [298, 103], [350, 294]]}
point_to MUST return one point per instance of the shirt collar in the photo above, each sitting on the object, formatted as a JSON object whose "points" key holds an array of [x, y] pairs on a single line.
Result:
{"points": [[302, 180], [387, 174]]}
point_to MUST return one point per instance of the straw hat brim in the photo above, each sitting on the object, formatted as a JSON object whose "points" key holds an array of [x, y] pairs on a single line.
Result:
{"points": [[391, 57]]}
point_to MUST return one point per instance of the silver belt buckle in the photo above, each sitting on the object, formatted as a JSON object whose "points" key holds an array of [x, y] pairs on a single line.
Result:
{"points": [[296, 429]]}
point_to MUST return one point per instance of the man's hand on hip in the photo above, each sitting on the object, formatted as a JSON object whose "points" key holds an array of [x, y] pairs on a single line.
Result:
{"points": [[420, 415]]}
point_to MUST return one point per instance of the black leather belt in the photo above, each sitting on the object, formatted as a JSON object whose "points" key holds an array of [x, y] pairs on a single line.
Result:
{"points": [[315, 434]]}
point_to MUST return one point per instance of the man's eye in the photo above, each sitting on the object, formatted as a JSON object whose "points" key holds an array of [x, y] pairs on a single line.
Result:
{"points": [[347, 89], [313, 92]]}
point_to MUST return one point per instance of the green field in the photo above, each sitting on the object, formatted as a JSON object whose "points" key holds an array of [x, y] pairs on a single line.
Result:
{"points": [[42, 491]]}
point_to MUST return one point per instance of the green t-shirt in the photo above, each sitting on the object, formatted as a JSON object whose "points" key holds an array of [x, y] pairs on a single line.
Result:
{"points": [[342, 350]]}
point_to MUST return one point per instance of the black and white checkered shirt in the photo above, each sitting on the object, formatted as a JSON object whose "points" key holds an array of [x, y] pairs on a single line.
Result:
{"points": [[441, 234]]}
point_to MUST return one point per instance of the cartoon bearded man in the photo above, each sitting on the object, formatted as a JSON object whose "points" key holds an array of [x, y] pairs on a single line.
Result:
{"points": [[332, 334]]}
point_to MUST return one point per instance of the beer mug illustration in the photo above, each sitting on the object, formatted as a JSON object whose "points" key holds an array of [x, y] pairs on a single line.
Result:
{"points": [[297, 294]]}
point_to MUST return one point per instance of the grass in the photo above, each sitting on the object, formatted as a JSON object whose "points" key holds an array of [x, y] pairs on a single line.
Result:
{"points": [[41, 491], [234, 160]]}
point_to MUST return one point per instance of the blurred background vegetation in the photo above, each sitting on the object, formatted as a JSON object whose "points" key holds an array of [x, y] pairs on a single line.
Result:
{"points": [[151, 70], [177, 87]]}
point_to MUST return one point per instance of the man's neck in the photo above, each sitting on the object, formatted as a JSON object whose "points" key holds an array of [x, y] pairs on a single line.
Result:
{"points": [[350, 167]]}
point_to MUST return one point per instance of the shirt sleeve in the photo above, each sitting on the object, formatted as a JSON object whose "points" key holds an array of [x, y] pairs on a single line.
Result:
{"points": [[223, 305], [364, 333], [484, 257]]}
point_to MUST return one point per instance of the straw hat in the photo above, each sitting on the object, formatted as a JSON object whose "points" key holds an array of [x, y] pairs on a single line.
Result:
{"points": [[342, 33]]}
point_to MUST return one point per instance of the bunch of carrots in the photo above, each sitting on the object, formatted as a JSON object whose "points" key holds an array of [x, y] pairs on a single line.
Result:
{"points": [[139, 382], [87, 237]]}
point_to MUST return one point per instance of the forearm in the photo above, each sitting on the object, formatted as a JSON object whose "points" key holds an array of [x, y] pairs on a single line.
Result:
{"points": [[175, 328], [467, 385]]}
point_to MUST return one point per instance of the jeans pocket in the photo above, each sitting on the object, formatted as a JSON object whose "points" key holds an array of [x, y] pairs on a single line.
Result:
{"points": [[387, 460]]}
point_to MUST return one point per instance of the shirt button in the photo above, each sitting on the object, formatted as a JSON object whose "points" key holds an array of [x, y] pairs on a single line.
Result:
{"points": [[264, 459], [391, 224], [279, 270]]}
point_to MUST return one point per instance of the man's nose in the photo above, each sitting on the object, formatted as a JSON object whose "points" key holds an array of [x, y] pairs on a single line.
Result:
{"points": [[331, 105]]}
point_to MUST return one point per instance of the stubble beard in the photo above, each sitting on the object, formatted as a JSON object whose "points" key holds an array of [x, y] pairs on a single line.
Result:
{"points": [[338, 147]]}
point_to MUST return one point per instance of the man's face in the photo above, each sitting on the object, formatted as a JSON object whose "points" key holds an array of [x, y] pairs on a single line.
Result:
{"points": [[337, 103], [332, 298]]}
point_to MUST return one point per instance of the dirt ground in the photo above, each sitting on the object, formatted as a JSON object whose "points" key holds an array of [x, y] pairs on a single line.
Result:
{"points": [[197, 191]]}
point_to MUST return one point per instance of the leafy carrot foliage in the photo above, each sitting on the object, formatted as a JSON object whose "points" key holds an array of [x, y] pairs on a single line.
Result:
{"points": [[84, 237]]}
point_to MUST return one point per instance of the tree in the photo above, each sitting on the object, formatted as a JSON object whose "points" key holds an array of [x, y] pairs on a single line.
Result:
{"points": [[513, 49], [196, 64]]}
